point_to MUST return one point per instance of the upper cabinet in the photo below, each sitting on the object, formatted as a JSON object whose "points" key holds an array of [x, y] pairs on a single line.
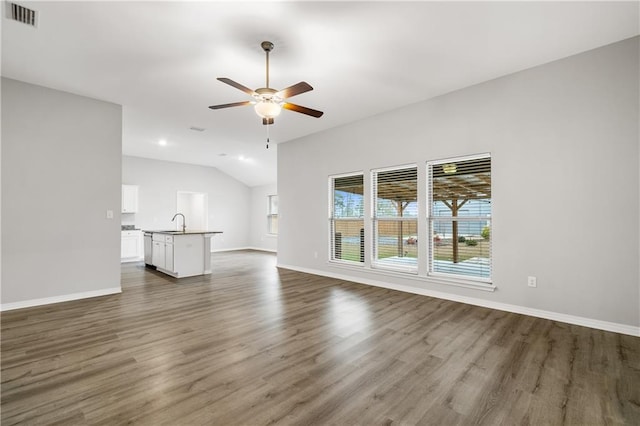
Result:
{"points": [[129, 198]]}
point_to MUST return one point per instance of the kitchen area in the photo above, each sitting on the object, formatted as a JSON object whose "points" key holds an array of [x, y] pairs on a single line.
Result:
{"points": [[181, 252]]}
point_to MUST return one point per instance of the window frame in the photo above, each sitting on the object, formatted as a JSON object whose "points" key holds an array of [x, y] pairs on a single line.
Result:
{"points": [[424, 245], [377, 219], [271, 216], [431, 219], [332, 220]]}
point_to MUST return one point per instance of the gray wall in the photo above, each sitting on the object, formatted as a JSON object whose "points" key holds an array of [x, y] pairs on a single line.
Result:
{"points": [[260, 238], [159, 182], [565, 158], [61, 168]]}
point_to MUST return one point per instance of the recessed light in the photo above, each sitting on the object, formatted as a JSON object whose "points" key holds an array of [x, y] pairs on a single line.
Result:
{"points": [[162, 142]]}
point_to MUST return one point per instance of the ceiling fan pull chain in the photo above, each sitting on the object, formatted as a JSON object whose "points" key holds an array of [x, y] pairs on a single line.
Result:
{"points": [[267, 137]]}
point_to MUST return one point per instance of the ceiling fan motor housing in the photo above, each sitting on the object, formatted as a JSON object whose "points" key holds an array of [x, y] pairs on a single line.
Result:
{"points": [[266, 92]]}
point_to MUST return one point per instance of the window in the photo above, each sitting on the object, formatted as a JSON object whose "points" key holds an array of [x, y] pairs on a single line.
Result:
{"points": [[272, 215], [395, 218], [451, 212], [459, 217], [346, 218]]}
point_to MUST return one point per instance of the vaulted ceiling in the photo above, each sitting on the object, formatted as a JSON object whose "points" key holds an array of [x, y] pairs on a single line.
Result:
{"points": [[160, 60]]}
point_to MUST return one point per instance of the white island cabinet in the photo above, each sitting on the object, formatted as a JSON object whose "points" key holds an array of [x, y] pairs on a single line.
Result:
{"points": [[182, 254]]}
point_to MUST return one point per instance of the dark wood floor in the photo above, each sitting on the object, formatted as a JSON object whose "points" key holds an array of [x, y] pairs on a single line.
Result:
{"points": [[255, 345]]}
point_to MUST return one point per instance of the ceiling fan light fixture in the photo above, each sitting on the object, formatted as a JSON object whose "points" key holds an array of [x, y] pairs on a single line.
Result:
{"points": [[268, 109], [449, 168]]}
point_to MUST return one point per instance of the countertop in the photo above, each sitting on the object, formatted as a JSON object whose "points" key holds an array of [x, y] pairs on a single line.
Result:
{"points": [[187, 232]]}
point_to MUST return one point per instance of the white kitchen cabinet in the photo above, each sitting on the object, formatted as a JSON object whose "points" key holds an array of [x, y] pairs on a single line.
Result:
{"points": [[158, 258], [168, 255], [163, 252], [129, 198], [131, 246]]}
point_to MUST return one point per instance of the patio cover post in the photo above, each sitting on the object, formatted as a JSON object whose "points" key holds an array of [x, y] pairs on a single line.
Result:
{"points": [[454, 206]]}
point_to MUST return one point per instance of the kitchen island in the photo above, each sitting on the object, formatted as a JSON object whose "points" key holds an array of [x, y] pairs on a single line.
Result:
{"points": [[180, 253]]}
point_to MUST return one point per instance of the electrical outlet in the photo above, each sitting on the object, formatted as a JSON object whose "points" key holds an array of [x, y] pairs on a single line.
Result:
{"points": [[109, 214], [532, 282], [315, 254]]}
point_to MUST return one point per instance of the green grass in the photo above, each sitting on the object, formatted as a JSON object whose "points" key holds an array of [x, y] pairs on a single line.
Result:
{"points": [[351, 252], [391, 250], [444, 251]]}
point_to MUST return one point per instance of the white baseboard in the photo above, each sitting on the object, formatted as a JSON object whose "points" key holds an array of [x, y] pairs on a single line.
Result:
{"points": [[228, 249], [262, 249], [539, 313], [242, 248], [58, 299]]}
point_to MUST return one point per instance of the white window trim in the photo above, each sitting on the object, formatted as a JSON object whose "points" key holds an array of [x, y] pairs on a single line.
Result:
{"points": [[455, 278], [375, 263], [456, 281], [369, 266], [331, 220]]}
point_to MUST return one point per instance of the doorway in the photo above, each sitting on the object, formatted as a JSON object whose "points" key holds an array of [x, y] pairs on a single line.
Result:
{"points": [[195, 208]]}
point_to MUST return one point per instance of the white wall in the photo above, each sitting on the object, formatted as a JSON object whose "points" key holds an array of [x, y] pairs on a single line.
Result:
{"points": [[61, 171], [564, 142], [260, 238], [159, 183]]}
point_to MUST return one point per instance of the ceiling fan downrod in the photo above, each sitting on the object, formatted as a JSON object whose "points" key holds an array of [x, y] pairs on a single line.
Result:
{"points": [[267, 46]]}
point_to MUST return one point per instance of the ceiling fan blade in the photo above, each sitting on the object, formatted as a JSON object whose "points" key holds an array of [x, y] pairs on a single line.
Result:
{"points": [[234, 104], [230, 82], [303, 110], [294, 90]]}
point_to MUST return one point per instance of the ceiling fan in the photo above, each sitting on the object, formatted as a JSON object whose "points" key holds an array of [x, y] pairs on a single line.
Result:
{"points": [[268, 102]]}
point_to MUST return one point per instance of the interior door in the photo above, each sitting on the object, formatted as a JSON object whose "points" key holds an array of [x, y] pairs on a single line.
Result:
{"points": [[195, 208]]}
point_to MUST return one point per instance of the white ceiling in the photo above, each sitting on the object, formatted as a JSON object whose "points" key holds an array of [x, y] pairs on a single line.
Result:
{"points": [[160, 61]]}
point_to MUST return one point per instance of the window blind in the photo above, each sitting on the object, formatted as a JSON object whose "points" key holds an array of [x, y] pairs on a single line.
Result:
{"points": [[395, 224], [459, 217], [346, 218]]}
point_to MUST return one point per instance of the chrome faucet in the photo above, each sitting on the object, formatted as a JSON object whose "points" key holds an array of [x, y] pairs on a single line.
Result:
{"points": [[184, 225]]}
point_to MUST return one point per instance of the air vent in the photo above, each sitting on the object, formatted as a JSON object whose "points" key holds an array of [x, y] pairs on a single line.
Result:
{"points": [[21, 14]]}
